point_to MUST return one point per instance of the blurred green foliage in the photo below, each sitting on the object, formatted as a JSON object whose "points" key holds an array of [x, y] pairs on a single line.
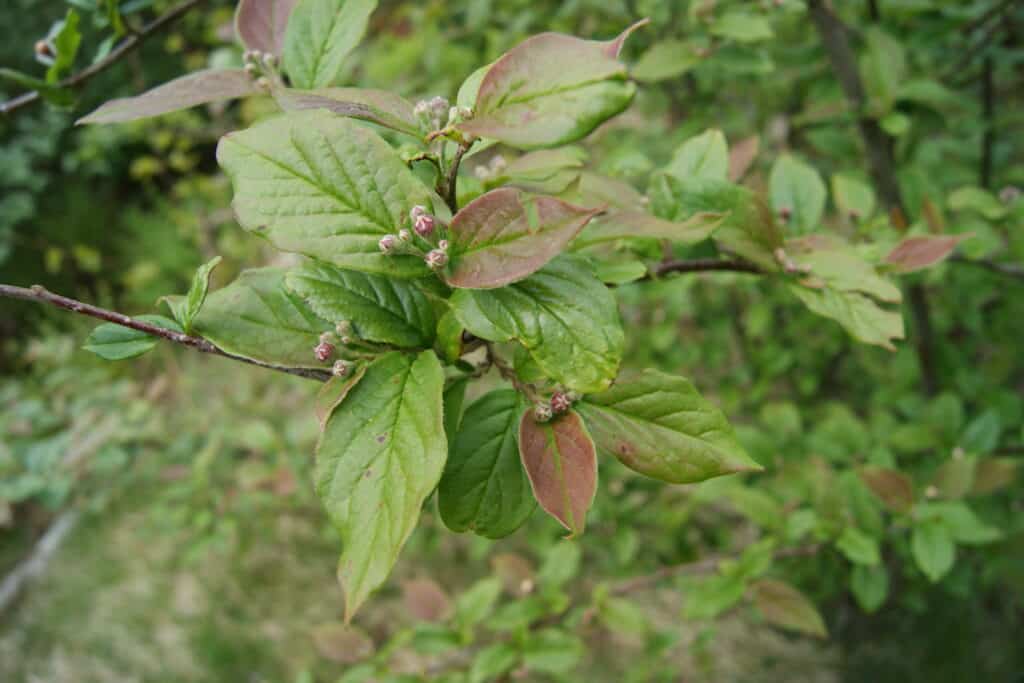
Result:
{"points": [[213, 513]]}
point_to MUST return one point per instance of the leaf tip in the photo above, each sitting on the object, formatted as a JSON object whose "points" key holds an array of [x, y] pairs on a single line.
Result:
{"points": [[614, 46]]}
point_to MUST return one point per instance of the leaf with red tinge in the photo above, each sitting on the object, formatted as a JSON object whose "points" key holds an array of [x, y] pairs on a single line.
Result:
{"points": [[550, 90], [561, 462], [201, 87], [785, 606], [892, 487], [341, 643], [741, 156], [916, 253], [376, 106], [615, 225], [506, 235], [613, 47], [425, 599], [260, 24]]}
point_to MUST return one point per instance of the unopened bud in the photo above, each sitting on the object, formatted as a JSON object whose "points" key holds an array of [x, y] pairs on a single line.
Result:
{"points": [[343, 327], [387, 243], [443, 245], [542, 412], [43, 49], [404, 236], [345, 340], [422, 108], [341, 368], [424, 225], [560, 402], [416, 212], [436, 259], [439, 105], [573, 395], [323, 351], [263, 83], [252, 69], [269, 60]]}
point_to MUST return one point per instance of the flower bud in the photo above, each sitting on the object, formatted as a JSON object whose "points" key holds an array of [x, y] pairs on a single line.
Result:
{"points": [[387, 243], [560, 402], [345, 340], [416, 212], [542, 412], [437, 259], [263, 83], [574, 395], [323, 351], [341, 368], [443, 245], [43, 49], [422, 108], [424, 225], [404, 236], [269, 60], [343, 327], [438, 105], [252, 69]]}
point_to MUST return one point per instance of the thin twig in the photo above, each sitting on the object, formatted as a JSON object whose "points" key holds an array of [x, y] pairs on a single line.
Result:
{"points": [[705, 566], [452, 178], [41, 295], [35, 565], [124, 48], [704, 265], [509, 374]]}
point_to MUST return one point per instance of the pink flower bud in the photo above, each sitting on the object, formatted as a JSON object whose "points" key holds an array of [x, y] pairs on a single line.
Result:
{"points": [[424, 225], [542, 412], [341, 368], [437, 259], [560, 402], [416, 212], [323, 351], [443, 245], [387, 243]]}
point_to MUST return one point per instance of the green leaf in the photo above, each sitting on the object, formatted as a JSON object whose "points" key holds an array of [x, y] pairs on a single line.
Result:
{"points": [[379, 457], [870, 586], [376, 106], [785, 606], [853, 197], [561, 463], [713, 595], [665, 59], [883, 69], [976, 199], [620, 273], [933, 549], [742, 27], [702, 156], [484, 488], [65, 44], [380, 309], [858, 547], [550, 90], [334, 392], [506, 235], [838, 266], [658, 425], [622, 616], [320, 35], [561, 565], [552, 651], [477, 602], [201, 87], [257, 317], [449, 337], [616, 225], [858, 314], [797, 191], [110, 341], [982, 433], [114, 16], [963, 525], [261, 24], [196, 297], [491, 662], [562, 314], [548, 170], [324, 186]]}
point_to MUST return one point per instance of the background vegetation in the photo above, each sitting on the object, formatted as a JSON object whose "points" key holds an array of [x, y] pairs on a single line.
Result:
{"points": [[197, 550]]}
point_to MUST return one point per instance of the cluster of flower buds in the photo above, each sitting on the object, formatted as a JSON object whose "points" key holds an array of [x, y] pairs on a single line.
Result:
{"points": [[342, 336], [458, 115], [261, 66], [425, 240], [788, 265], [560, 402], [432, 111], [491, 170]]}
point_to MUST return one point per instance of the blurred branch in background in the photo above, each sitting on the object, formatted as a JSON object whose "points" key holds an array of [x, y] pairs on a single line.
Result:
{"points": [[126, 47]]}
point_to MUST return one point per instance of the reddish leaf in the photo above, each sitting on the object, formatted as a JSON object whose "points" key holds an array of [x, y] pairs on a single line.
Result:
{"points": [[196, 88], [915, 253], [993, 474], [785, 606], [341, 643], [260, 24], [506, 235], [425, 599], [741, 156], [376, 106], [892, 487], [613, 47], [561, 462]]}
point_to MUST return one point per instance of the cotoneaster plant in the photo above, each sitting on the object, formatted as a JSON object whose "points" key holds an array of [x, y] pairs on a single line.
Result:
{"points": [[415, 286]]}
